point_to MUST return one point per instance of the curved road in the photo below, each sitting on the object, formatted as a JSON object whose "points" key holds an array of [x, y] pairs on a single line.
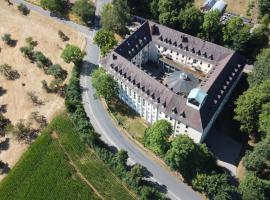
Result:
{"points": [[104, 125]]}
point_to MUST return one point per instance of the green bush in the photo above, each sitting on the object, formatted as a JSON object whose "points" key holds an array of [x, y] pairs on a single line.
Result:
{"points": [[23, 9]]}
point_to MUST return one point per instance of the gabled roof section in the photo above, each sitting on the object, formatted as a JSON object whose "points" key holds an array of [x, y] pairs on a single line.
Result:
{"points": [[181, 42], [132, 45]]}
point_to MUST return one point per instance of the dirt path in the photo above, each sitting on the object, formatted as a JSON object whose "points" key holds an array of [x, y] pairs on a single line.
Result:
{"points": [[77, 169]]}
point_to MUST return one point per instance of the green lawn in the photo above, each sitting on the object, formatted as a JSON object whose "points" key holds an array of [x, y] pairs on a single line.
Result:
{"points": [[128, 119], [44, 171]]}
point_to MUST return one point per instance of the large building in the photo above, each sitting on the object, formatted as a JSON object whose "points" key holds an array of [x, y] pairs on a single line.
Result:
{"points": [[166, 74]]}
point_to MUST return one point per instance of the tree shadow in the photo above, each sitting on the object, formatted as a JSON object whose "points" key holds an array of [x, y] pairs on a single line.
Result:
{"points": [[3, 108], [4, 168], [2, 91], [4, 145], [12, 43]]}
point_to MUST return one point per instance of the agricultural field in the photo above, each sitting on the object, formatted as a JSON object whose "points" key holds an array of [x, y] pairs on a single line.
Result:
{"points": [[15, 103], [59, 166], [236, 6]]}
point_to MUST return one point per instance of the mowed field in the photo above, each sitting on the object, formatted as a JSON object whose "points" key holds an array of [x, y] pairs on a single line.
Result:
{"points": [[236, 6], [50, 168], [15, 100]]}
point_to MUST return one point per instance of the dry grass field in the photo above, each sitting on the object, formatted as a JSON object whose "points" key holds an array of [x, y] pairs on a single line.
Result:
{"points": [[45, 32], [236, 6]]}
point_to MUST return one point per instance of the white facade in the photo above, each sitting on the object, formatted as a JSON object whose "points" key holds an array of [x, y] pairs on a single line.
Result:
{"points": [[150, 112]]}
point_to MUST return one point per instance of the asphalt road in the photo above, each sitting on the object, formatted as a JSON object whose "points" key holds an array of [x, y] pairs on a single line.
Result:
{"points": [[103, 124]]}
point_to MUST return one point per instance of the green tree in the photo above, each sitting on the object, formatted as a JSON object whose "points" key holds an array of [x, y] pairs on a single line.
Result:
{"points": [[189, 158], [105, 85], [85, 10], [140, 7], [264, 119], [156, 137], [264, 7], [257, 161], [236, 34], [261, 71], [249, 106], [105, 40], [55, 6], [211, 29], [72, 53], [121, 16], [252, 187], [154, 9], [190, 20], [215, 186]]}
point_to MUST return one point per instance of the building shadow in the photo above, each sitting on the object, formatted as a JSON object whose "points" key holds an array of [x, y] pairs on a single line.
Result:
{"points": [[225, 139], [4, 145]]}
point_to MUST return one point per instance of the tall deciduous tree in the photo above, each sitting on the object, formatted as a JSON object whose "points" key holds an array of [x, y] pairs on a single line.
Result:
{"points": [[105, 40], [189, 158], [215, 186], [72, 53], [156, 137], [261, 70], [169, 11], [211, 27], [236, 34], [249, 106], [264, 7], [55, 6], [264, 119], [116, 16], [190, 20], [252, 187], [105, 85], [85, 10], [257, 161]]}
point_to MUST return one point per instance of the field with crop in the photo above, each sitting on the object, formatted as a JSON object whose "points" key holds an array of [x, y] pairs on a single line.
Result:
{"points": [[59, 166]]}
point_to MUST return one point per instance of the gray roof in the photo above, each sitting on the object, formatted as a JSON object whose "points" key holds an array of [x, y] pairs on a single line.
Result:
{"points": [[181, 82], [227, 67]]}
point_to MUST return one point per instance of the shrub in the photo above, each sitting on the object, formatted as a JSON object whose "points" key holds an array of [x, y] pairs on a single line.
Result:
{"points": [[7, 71], [7, 39], [23, 9], [57, 71], [41, 60]]}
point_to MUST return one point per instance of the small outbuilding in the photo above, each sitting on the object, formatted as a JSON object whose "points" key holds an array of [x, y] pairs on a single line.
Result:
{"points": [[220, 6]]}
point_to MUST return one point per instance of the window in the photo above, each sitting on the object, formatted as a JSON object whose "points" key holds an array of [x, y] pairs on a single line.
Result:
{"points": [[208, 65], [183, 56], [143, 102], [134, 95], [139, 99], [129, 92]]}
